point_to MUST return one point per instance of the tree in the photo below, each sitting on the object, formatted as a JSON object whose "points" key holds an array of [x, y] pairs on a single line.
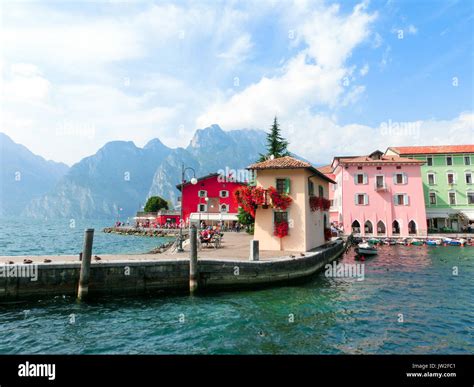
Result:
{"points": [[276, 144], [155, 204], [246, 219]]}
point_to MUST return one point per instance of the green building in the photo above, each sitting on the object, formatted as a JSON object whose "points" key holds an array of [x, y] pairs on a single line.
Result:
{"points": [[448, 186]]}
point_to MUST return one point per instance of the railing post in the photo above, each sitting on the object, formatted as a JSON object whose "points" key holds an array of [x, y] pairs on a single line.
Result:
{"points": [[193, 260], [254, 250], [83, 288]]}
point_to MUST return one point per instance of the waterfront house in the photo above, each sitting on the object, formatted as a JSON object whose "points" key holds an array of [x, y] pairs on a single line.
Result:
{"points": [[378, 195], [447, 174], [306, 216], [210, 200]]}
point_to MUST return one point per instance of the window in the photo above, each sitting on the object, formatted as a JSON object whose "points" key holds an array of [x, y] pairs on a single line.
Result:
{"points": [[361, 178], [224, 194], [470, 198], [202, 193], [411, 227], [468, 177], [368, 227], [432, 198], [396, 227], [380, 228], [431, 179], [202, 207], [399, 167], [399, 178], [283, 186], [311, 188], [224, 208], [379, 168], [355, 227], [429, 160], [332, 203], [452, 198], [451, 179], [321, 191], [400, 200], [280, 216], [379, 181], [359, 167], [467, 160], [449, 160], [361, 199]]}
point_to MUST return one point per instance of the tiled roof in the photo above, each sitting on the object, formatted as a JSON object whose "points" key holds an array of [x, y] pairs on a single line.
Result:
{"points": [[327, 169], [287, 162], [418, 150], [383, 160]]}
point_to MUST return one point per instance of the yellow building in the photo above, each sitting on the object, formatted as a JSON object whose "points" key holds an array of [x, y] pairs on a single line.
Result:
{"points": [[305, 185]]}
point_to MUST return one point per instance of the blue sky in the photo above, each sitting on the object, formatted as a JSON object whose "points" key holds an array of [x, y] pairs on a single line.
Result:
{"points": [[337, 73]]}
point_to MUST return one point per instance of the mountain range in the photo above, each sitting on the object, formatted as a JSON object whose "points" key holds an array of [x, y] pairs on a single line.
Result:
{"points": [[119, 177]]}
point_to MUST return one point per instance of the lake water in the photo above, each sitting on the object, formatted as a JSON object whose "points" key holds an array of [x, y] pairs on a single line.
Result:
{"points": [[408, 302]]}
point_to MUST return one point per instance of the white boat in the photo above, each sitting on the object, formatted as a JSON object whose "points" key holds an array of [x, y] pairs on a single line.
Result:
{"points": [[365, 249]]}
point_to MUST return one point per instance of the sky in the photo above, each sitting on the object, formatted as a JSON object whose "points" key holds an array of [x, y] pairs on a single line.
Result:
{"points": [[343, 77]]}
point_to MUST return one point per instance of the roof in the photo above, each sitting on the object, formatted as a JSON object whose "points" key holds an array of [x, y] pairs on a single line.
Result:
{"points": [[383, 160], [432, 149], [327, 169], [198, 179], [288, 162]]}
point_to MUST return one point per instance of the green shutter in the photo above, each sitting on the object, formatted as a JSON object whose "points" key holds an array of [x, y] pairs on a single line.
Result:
{"points": [[287, 186]]}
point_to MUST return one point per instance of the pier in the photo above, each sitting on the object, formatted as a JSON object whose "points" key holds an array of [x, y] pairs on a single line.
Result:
{"points": [[225, 268], [140, 231]]}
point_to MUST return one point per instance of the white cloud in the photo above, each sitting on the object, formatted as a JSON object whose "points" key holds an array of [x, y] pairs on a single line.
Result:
{"points": [[364, 70], [313, 77], [238, 50]]}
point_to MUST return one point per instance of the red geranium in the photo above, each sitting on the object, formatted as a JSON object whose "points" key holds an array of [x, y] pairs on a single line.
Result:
{"points": [[319, 203], [249, 198], [281, 229], [279, 201]]}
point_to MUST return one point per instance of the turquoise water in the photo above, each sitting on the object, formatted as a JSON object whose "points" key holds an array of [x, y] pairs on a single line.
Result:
{"points": [[331, 315], [35, 237]]}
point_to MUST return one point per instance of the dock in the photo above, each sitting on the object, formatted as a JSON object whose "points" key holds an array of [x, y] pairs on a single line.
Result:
{"points": [[224, 268]]}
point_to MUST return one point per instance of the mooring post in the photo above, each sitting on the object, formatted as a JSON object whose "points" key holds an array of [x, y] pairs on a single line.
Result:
{"points": [[193, 260], [83, 288], [254, 250]]}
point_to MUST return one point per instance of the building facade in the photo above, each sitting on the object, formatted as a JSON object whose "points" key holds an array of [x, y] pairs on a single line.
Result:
{"points": [[379, 195], [302, 182], [447, 174], [210, 200]]}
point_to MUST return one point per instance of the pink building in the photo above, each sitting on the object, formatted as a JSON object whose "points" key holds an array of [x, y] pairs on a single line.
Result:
{"points": [[378, 195]]}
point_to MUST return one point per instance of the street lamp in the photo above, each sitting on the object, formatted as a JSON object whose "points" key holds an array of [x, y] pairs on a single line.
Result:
{"points": [[193, 182]]}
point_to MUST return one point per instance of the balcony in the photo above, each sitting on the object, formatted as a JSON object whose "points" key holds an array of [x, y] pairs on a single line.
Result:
{"points": [[380, 186]]}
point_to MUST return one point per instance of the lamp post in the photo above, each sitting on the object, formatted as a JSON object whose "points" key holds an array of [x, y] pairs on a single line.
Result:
{"points": [[193, 182]]}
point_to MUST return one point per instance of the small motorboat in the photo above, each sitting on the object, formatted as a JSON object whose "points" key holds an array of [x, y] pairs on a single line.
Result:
{"points": [[374, 241], [433, 242], [416, 242], [365, 249], [454, 242]]}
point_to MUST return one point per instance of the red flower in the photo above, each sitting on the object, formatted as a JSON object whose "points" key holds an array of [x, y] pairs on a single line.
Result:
{"points": [[279, 201], [319, 203], [281, 229]]}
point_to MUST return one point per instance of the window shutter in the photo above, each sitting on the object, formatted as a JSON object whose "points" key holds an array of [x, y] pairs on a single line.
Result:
{"points": [[355, 199], [287, 186], [406, 201], [454, 178], [395, 202], [394, 178], [355, 178], [405, 178], [366, 199], [365, 178]]}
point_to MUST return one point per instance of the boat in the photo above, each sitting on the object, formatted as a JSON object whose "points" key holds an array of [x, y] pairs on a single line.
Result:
{"points": [[433, 242], [365, 249], [416, 242], [374, 241], [454, 242]]}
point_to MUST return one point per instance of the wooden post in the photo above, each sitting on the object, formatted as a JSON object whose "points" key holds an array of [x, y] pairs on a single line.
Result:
{"points": [[254, 250], [193, 260], [83, 288]]}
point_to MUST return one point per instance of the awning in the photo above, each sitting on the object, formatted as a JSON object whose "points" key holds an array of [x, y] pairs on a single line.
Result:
{"points": [[212, 216]]}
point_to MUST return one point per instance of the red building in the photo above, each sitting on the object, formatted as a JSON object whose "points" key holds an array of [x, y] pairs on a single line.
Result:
{"points": [[168, 217], [210, 200]]}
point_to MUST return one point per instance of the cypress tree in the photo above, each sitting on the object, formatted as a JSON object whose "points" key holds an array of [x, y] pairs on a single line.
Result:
{"points": [[276, 144]]}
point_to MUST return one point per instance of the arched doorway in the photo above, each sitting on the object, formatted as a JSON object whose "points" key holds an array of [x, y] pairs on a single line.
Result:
{"points": [[395, 227], [355, 227], [369, 229], [381, 228], [412, 227]]}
